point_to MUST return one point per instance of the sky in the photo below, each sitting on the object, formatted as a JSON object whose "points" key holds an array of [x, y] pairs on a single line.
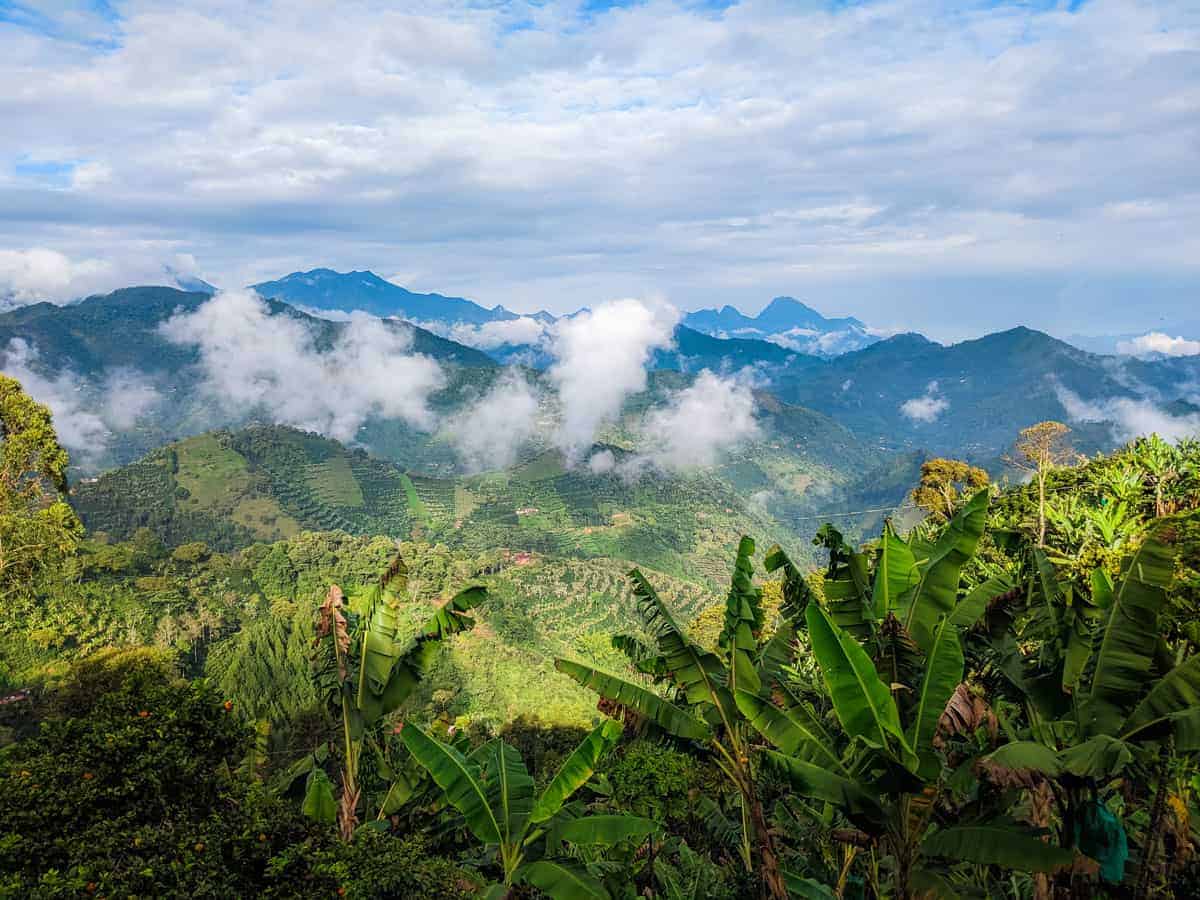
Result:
{"points": [[952, 168]]}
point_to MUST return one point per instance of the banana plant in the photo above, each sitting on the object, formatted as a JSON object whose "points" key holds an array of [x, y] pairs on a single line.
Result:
{"points": [[1130, 702], [369, 669], [495, 794], [702, 685], [883, 770]]}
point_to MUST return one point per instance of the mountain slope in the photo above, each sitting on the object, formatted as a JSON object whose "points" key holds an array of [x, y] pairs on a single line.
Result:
{"points": [[972, 398], [270, 482]]}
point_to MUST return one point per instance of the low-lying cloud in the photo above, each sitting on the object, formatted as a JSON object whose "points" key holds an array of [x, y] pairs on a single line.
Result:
{"points": [[86, 412], [1155, 343], [490, 433], [252, 359], [600, 360], [708, 417], [1129, 417], [927, 407]]}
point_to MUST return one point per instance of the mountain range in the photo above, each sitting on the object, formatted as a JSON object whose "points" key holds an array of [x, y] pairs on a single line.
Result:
{"points": [[896, 395], [789, 323]]}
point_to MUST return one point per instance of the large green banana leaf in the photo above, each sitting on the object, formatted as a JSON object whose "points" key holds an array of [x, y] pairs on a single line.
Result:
{"points": [[972, 607], [936, 594], [999, 844], [698, 673], [1159, 712], [460, 780], [856, 802], [1027, 755], [605, 831], [896, 573], [943, 673], [406, 666], [743, 622], [576, 770], [776, 654], [796, 591], [794, 731], [1128, 637], [671, 719], [509, 790], [319, 803], [862, 702], [563, 881]]}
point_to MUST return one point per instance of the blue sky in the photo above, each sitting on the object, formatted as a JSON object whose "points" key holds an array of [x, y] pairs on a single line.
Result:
{"points": [[952, 168]]}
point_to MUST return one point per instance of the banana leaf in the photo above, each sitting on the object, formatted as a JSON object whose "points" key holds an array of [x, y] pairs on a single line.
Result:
{"points": [[605, 831], [794, 731], [671, 719], [698, 673], [857, 803], [319, 803], [943, 673], [743, 622], [936, 594], [576, 770], [862, 702], [972, 607], [459, 779], [509, 789], [895, 573], [999, 844], [1176, 692], [1027, 756], [563, 881], [1128, 638]]}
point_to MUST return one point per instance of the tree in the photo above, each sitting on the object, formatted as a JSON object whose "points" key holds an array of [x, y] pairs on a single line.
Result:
{"points": [[889, 654], [1041, 448], [495, 794], [37, 525], [705, 683], [369, 670], [944, 484]]}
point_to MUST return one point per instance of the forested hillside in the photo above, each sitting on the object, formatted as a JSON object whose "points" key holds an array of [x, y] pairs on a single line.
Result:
{"points": [[999, 700]]}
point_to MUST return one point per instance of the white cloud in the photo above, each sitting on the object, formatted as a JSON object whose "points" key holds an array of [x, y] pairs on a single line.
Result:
{"points": [[602, 462], [711, 415], [40, 274], [490, 432], [85, 413], [551, 155], [1155, 343], [251, 359], [600, 359], [490, 335], [1129, 418], [926, 408]]}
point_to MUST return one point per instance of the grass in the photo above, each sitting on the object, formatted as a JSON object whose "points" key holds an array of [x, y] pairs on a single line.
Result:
{"points": [[263, 516], [415, 506], [213, 474]]}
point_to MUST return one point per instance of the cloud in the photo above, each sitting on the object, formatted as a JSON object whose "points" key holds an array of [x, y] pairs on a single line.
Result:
{"points": [[40, 274], [491, 335], [1155, 343], [897, 158], [601, 462], [926, 408], [1129, 418], [253, 360], [600, 359], [711, 415], [490, 432], [86, 413]]}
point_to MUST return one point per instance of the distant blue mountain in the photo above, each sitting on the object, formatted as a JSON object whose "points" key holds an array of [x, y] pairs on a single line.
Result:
{"points": [[787, 322], [366, 291]]}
